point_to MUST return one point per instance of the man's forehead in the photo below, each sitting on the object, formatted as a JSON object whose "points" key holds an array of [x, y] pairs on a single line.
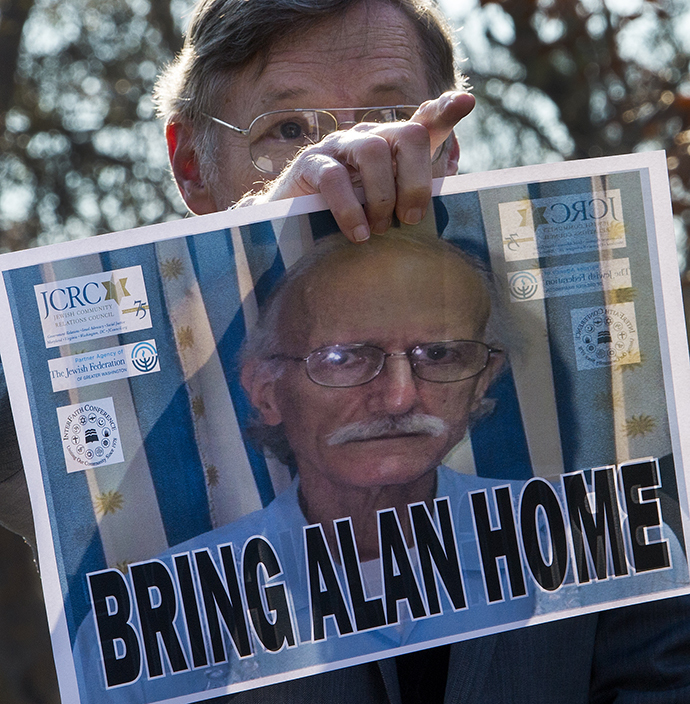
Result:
{"points": [[353, 34], [364, 56], [397, 262], [386, 290], [299, 96]]}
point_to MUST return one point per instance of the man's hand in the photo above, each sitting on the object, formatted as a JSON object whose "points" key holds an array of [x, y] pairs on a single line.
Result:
{"points": [[391, 162]]}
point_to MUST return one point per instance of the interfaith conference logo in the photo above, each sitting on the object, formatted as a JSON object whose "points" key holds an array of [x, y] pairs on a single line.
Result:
{"points": [[90, 434], [605, 335]]}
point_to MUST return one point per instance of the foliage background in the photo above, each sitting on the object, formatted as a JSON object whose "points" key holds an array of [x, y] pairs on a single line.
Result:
{"points": [[81, 152]]}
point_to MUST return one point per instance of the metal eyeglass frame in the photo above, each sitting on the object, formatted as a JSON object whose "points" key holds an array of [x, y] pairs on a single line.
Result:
{"points": [[327, 111], [386, 355]]}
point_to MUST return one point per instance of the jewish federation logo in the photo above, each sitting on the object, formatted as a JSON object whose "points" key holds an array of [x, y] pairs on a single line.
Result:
{"points": [[523, 285], [144, 356]]}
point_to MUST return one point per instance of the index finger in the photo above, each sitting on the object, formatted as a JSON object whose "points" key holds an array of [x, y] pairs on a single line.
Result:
{"points": [[441, 115]]}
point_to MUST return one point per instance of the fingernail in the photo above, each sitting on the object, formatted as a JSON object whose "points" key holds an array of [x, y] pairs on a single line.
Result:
{"points": [[360, 233], [381, 226], [413, 216]]}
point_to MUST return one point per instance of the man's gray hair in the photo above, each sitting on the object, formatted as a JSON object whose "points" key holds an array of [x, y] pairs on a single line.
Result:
{"points": [[225, 36]]}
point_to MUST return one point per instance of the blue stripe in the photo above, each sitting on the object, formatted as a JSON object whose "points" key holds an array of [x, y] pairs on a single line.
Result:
{"points": [[440, 215], [76, 595], [267, 268], [245, 412], [499, 443], [68, 497], [265, 263], [459, 221], [322, 224]]}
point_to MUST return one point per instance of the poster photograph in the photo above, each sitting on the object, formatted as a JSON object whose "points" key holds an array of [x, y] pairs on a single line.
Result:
{"points": [[257, 452]]}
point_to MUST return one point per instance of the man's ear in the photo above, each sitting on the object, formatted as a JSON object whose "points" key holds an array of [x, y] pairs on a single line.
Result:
{"points": [[259, 383], [497, 362], [447, 162], [185, 167]]}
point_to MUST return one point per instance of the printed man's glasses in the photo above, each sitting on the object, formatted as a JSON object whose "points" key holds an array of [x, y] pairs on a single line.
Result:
{"points": [[357, 364]]}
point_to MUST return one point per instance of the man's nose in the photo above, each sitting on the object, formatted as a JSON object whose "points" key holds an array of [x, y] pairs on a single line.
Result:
{"points": [[345, 124], [346, 119], [395, 388]]}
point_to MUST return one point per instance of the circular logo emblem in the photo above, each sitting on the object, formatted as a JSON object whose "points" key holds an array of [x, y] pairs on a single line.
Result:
{"points": [[523, 285], [90, 434], [606, 336], [144, 356]]}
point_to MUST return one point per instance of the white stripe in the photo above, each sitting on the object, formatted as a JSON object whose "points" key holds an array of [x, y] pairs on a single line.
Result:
{"points": [[294, 238], [531, 363]]}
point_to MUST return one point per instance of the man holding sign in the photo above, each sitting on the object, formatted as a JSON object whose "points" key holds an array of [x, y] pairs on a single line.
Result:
{"points": [[256, 109]]}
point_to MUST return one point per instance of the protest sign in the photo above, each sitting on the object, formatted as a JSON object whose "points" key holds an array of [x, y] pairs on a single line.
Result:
{"points": [[538, 471]]}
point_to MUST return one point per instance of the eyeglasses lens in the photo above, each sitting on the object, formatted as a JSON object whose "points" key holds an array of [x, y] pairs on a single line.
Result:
{"points": [[276, 137], [354, 365], [392, 114], [344, 365], [449, 361]]}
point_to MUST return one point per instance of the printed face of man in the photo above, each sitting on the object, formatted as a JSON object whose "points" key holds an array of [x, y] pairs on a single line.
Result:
{"points": [[380, 63], [394, 297]]}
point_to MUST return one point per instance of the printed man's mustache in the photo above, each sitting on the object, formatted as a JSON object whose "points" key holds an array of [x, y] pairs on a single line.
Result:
{"points": [[411, 424]]}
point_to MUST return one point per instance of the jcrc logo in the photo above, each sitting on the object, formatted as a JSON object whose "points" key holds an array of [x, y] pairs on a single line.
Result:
{"points": [[91, 293], [559, 225], [562, 212], [100, 304]]}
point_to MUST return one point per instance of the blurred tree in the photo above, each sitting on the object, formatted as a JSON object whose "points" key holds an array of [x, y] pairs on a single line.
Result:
{"points": [[13, 14], [581, 78], [80, 149], [81, 152]]}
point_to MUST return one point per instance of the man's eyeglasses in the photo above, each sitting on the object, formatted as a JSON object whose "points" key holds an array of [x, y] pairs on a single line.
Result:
{"points": [[275, 137], [354, 365]]}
